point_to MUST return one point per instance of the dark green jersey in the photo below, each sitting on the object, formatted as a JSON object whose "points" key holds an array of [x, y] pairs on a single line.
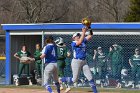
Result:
{"points": [[101, 59], [37, 55], [23, 54], [135, 59], [62, 52], [116, 56]]}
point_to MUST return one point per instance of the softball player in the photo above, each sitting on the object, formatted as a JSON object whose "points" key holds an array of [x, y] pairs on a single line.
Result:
{"points": [[38, 61], [134, 62], [79, 57], [63, 53], [116, 56], [49, 52], [101, 59], [22, 66]]}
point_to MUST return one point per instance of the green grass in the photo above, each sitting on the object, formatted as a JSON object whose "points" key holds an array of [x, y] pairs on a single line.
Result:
{"points": [[107, 90]]}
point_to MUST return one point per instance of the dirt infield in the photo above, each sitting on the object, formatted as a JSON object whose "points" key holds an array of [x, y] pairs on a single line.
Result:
{"points": [[24, 90]]}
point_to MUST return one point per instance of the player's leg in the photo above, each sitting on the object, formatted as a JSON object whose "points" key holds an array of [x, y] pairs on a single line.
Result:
{"points": [[61, 65], [39, 70], [27, 69], [134, 72], [37, 67], [115, 74], [47, 73], [118, 75], [138, 78], [100, 71], [55, 77], [88, 75], [21, 67], [76, 68]]}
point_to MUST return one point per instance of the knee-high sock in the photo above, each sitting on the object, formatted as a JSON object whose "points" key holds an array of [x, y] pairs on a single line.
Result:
{"points": [[93, 86], [57, 87], [48, 87]]}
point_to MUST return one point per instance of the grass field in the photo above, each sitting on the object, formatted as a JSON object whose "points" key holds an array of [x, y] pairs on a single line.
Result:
{"points": [[39, 89]]}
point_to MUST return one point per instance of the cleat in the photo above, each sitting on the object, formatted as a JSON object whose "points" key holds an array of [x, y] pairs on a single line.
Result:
{"points": [[102, 86], [133, 86], [61, 88], [17, 82], [119, 85], [30, 83], [67, 90]]}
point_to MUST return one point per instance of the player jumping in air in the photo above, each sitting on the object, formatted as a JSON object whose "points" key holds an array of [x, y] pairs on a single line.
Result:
{"points": [[49, 52], [79, 58]]}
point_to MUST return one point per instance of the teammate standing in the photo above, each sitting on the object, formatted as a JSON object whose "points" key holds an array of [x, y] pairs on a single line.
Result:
{"points": [[38, 61], [49, 52], [134, 62], [63, 53], [79, 57], [22, 66], [115, 53], [101, 59]]}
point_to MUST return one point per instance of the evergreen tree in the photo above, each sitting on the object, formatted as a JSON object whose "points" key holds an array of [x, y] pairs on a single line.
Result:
{"points": [[134, 13]]}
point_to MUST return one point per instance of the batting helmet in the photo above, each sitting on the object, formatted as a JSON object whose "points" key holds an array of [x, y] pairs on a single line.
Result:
{"points": [[59, 41]]}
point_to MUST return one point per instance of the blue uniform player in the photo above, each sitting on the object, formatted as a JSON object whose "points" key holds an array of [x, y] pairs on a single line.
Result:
{"points": [[49, 52], [79, 57]]}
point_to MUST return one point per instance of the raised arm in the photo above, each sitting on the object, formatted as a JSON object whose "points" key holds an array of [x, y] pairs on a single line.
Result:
{"points": [[130, 63], [90, 34], [82, 36], [95, 54]]}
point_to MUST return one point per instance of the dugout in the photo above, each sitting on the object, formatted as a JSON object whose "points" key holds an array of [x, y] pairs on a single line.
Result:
{"points": [[105, 34]]}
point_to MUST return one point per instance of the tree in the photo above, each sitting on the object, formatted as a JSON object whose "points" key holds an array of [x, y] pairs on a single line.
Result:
{"points": [[33, 11], [134, 13], [113, 9]]}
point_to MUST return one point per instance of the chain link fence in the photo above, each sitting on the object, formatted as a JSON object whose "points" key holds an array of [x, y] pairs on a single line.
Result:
{"points": [[111, 74]]}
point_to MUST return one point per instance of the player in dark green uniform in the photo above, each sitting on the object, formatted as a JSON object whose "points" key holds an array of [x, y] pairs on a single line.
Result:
{"points": [[38, 61], [100, 58], [63, 53], [116, 56], [134, 62], [22, 66]]}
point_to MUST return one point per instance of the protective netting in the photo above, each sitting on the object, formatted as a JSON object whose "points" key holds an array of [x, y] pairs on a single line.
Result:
{"points": [[2, 70], [128, 44]]}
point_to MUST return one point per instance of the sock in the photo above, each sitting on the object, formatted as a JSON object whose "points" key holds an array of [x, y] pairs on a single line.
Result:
{"points": [[66, 79], [93, 86], [57, 87], [48, 87]]}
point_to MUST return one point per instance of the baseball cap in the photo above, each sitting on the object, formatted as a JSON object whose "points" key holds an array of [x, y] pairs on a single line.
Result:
{"points": [[137, 49], [76, 34], [99, 48], [115, 45]]}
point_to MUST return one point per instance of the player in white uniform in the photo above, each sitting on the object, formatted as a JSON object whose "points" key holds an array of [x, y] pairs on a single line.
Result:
{"points": [[49, 52]]}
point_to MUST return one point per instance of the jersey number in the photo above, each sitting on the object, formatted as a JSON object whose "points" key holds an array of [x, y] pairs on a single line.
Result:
{"points": [[53, 52], [61, 51]]}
